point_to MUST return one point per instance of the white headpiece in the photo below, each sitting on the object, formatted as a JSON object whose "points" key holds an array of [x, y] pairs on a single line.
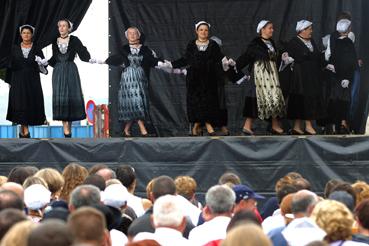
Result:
{"points": [[217, 40], [70, 29], [343, 25], [115, 195], [261, 25], [132, 27], [302, 25], [26, 25], [36, 196], [201, 23]]}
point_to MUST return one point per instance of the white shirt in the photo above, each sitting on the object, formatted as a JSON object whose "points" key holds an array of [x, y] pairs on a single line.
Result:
{"points": [[273, 222], [211, 230], [347, 243], [135, 203], [118, 238], [164, 236], [189, 209]]}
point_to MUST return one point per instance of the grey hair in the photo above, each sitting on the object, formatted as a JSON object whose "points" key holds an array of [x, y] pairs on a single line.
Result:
{"points": [[220, 199], [302, 200], [168, 211], [85, 195]]}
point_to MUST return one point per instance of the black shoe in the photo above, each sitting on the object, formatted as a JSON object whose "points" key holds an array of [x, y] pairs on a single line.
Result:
{"points": [[125, 135], [344, 130], [294, 132], [24, 136], [198, 134], [276, 133], [68, 135], [212, 134], [246, 132], [309, 133]]}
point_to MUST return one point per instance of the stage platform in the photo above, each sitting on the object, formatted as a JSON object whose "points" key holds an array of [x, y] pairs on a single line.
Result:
{"points": [[259, 161]]}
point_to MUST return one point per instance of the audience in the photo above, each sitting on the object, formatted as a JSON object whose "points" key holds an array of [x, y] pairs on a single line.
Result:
{"points": [[99, 207]]}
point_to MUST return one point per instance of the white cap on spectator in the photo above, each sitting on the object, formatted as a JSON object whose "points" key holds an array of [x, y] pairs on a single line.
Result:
{"points": [[36, 196], [115, 195]]}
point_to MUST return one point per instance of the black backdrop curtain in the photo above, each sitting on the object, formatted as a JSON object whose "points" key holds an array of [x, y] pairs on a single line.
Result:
{"points": [[168, 25], [42, 14]]}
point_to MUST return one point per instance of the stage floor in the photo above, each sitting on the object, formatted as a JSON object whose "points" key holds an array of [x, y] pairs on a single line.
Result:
{"points": [[259, 161]]}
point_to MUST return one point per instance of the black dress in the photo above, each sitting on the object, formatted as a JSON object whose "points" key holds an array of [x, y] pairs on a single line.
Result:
{"points": [[203, 81], [68, 102], [133, 91], [344, 59], [264, 97], [306, 100], [26, 101]]}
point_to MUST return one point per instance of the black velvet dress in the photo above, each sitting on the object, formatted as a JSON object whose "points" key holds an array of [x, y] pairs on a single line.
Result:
{"points": [[68, 102], [344, 59], [306, 99], [26, 101], [204, 79], [133, 92], [264, 97]]}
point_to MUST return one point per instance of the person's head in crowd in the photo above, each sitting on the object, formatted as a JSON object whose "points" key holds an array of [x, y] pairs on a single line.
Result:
{"points": [[95, 168], [84, 195], [116, 196], [20, 173], [304, 29], [126, 174], [112, 181], [56, 213], [74, 175], [220, 201], [88, 225], [144, 243], [246, 198], [34, 180], [329, 187], [54, 180], [284, 190], [361, 189], [15, 187], [169, 213], [3, 180], [243, 217], [362, 217], [344, 186], [96, 180], [303, 203], [36, 198], [186, 186], [343, 197], [18, 234], [335, 219], [246, 235], [286, 208], [9, 217], [107, 174], [9, 199], [230, 179], [302, 184], [51, 232], [162, 185]]}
